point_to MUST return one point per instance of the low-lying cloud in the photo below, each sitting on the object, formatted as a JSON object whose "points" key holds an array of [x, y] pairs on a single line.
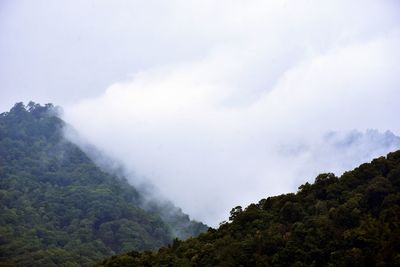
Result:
{"points": [[282, 92]]}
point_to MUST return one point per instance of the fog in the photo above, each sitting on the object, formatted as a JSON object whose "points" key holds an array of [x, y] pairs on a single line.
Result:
{"points": [[216, 104]]}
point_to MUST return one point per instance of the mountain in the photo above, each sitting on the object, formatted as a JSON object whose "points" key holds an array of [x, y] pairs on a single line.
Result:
{"points": [[58, 208], [353, 220]]}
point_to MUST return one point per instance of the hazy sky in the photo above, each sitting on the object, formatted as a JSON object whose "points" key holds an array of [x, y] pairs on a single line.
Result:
{"points": [[217, 103]]}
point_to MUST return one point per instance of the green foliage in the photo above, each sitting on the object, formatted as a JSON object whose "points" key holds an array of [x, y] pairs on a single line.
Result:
{"points": [[353, 220], [57, 208]]}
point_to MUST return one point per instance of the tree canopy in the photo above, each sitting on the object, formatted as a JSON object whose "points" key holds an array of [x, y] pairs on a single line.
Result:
{"points": [[352, 220]]}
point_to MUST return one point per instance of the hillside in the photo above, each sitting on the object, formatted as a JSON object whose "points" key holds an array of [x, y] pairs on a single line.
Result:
{"points": [[353, 220], [57, 208]]}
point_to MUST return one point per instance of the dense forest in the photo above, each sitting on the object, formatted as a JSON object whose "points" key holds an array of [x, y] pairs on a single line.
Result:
{"points": [[57, 208], [353, 220]]}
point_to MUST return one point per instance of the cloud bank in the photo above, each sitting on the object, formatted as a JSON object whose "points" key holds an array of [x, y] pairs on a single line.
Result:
{"points": [[275, 93]]}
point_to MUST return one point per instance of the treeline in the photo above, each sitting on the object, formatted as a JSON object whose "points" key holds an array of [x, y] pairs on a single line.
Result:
{"points": [[353, 220], [57, 208]]}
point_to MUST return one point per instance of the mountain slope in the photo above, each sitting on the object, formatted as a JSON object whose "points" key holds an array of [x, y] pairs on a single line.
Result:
{"points": [[353, 220], [57, 208]]}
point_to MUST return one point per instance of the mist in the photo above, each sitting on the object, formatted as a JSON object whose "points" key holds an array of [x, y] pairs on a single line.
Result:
{"points": [[277, 93]]}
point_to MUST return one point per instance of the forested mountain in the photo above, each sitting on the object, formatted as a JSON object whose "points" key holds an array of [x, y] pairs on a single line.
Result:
{"points": [[353, 220], [57, 208]]}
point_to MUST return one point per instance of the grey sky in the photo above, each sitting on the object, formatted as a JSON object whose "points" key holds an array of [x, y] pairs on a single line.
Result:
{"points": [[218, 103], [68, 50]]}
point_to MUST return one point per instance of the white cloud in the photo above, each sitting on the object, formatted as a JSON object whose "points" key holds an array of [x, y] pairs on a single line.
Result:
{"points": [[249, 116]]}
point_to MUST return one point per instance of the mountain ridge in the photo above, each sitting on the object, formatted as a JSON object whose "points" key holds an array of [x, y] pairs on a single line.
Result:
{"points": [[352, 220], [58, 208]]}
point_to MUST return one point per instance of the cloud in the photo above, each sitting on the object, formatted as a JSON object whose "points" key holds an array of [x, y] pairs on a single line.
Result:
{"points": [[279, 93]]}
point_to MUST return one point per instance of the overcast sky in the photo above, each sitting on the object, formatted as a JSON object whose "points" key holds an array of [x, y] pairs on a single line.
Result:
{"points": [[217, 103]]}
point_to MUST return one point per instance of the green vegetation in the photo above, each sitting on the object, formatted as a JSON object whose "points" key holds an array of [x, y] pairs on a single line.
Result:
{"points": [[353, 220], [57, 208]]}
